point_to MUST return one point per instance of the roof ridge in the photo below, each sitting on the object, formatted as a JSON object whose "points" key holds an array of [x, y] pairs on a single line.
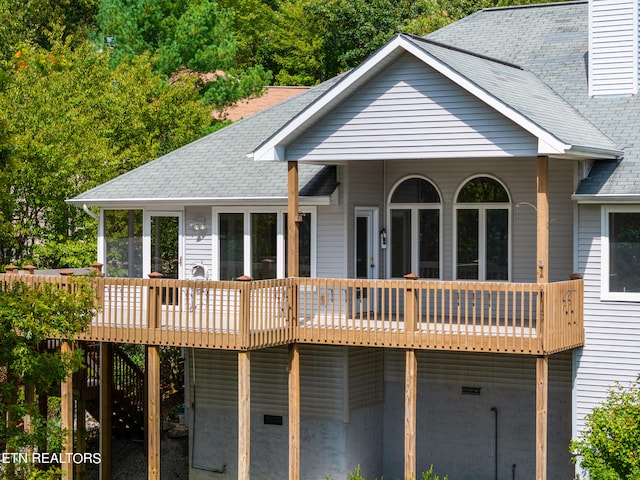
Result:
{"points": [[462, 50]]}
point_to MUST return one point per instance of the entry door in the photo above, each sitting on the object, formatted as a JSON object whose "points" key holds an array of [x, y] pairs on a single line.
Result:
{"points": [[366, 245], [163, 249]]}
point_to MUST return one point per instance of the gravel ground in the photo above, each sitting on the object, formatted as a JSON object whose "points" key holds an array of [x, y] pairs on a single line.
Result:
{"points": [[130, 463]]}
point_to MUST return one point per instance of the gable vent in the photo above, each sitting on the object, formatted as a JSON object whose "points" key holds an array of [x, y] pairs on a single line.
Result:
{"points": [[613, 47]]}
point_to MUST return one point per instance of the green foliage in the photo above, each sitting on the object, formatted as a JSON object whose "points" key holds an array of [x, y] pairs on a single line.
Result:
{"points": [[72, 123], [194, 36], [609, 447], [32, 21], [428, 475], [314, 40], [29, 316]]}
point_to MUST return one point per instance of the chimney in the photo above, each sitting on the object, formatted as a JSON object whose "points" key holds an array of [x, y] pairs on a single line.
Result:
{"points": [[613, 47]]}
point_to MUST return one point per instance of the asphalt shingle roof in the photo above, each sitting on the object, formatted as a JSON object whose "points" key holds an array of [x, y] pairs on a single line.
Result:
{"points": [[524, 92], [551, 41], [217, 167]]}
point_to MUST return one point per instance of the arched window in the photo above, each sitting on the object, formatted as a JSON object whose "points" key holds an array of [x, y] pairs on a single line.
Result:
{"points": [[414, 216], [482, 230]]}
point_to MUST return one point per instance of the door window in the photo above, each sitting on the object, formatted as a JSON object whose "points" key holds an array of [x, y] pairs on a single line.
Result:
{"points": [[415, 208]]}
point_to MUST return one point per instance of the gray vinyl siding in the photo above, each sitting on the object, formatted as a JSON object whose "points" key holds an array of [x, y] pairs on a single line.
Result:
{"points": [[197, 245], [613, 47], [366, 189], [330, 245], [322, 381], [366, 377], [519, 177], [478, 369], [612, 329], [411, 111]]}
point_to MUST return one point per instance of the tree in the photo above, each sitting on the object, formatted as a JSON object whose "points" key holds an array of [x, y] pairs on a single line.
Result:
{"points": [[314, 40], [71, 123], [194, 36], [609, 446], [32, 21], [253, 22], [28, 317], [430, 15]]}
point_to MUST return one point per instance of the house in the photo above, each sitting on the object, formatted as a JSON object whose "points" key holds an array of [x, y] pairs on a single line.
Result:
{"points": [[271, 96], [493, 159]]}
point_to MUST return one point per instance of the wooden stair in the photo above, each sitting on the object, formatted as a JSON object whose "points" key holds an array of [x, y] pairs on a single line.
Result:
{"points": [[127, 391]]}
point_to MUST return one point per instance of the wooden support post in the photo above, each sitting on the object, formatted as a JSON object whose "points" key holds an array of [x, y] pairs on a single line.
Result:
{"points": [[66, 410], [542, 392], [542, 363], [81, 412], [245, 311], [410, 308], [294, 412], [244, 415], [106, 409], [410, 411], [542, 228], [293, 211], [43, 408], [153, 412], [29, 401]]}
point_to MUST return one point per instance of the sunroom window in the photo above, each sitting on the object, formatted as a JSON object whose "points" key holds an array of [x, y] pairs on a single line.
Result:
{"points": [[621, 253], [482, 230], [254, 244], [122, 243], [414, 216]]}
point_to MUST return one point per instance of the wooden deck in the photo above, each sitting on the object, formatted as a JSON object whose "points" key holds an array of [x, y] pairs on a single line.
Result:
{"points": [[521, 318]]}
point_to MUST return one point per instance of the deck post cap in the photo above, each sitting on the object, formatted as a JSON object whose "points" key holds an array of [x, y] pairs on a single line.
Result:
{"points": [[411, 276]]}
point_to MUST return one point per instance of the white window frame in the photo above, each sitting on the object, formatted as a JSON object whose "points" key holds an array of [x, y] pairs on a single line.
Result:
{"points": [[482, 233], [146, 236], [415, 234], [605, 273], [280, 233]]}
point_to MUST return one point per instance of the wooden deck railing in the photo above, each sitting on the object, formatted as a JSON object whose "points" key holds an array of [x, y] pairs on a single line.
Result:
{"points": [[449, 315]]}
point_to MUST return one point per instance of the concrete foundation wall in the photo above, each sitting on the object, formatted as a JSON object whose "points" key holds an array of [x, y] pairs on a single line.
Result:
{"points": [[456, 432], [364, 441]]}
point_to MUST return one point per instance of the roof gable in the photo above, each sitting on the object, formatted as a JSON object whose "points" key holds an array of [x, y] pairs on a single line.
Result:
{"points": [[502, 87], [410, 111]]}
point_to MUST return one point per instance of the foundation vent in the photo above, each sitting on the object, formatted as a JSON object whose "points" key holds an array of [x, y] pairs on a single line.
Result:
{"points": [[471, 390]]}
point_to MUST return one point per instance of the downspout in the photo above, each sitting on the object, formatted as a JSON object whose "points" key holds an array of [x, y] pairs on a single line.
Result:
{"points": [[95, 216], [495, 433]]}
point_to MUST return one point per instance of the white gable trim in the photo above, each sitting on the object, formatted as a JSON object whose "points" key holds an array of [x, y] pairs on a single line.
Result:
{"points": [[273, 149]]}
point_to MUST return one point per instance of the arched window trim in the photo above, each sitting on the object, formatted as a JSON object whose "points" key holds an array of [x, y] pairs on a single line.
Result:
{"points": [[482, 208], [397, 184], [414, 208]]}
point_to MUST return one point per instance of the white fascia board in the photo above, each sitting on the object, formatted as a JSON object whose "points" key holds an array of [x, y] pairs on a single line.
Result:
{"points": [[594, 153], [274, 147], [194, 202], [599, 199]]}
